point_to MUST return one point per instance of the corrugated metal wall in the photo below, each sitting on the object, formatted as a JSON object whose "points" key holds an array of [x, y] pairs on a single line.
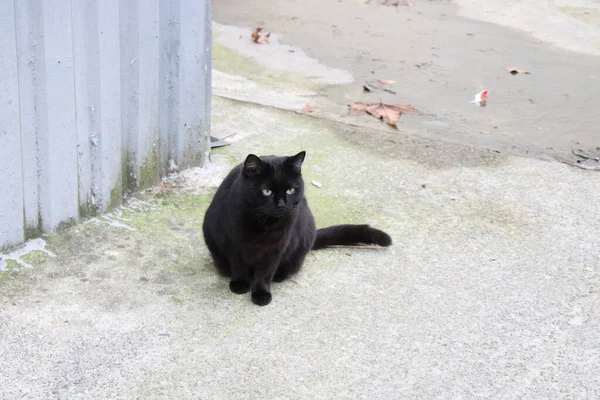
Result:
{"points": [[96, 96]]}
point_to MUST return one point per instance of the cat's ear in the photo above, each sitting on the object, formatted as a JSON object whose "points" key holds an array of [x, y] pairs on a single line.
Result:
{"points": [[253, 166], [296, 161]]}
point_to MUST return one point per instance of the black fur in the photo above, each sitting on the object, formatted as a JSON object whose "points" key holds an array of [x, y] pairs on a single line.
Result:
{"points": [[259, 231]]}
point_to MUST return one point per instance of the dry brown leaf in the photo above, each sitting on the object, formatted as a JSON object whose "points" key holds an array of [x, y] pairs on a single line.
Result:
{"points": [[387, 81], [515, 71], [307, 108], [357, 108], [258, 38], [390, 116], [256, 34], [404, 108], [388, 113]]}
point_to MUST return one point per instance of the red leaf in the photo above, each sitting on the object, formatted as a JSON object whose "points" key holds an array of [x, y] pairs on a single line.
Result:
{"points": [[258, 38]]}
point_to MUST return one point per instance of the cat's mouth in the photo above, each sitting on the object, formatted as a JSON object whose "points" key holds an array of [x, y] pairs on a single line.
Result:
{"points": [[280, 213], [272, 216]]}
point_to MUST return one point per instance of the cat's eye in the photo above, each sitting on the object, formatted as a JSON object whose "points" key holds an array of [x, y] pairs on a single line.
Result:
{"points": [[290, 191], [267, 192]]}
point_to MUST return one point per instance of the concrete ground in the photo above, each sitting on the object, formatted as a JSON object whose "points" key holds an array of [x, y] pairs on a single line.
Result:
{"points": [[491, 289], [440, 60]]}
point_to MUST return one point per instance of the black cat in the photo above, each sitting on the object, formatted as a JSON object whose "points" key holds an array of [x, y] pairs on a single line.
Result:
{"points": [[259, 227]]}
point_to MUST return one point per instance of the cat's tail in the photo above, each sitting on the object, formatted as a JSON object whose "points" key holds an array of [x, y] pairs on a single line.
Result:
{"points": [[348, 235]]}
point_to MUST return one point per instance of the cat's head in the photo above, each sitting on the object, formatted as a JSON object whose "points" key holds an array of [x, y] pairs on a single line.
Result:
{"points": [[273, 186]]}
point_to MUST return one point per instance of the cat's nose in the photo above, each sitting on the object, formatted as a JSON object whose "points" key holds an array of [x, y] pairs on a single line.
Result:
{"points": [[280, 203]]}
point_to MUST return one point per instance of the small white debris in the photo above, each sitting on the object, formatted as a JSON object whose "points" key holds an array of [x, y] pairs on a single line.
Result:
{"points": [[32, 245], [480, 98], [577, 320], [173, 167], [110, 221], [317, 184], [200, 180]]}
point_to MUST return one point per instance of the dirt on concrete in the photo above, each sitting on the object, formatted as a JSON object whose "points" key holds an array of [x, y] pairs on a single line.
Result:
{"points": [[440, 60]]}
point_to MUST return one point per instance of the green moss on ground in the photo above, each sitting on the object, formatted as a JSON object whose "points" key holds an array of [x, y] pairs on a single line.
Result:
{"points": [[230, 61], [11, 268], [165, 246], [35, 258]]}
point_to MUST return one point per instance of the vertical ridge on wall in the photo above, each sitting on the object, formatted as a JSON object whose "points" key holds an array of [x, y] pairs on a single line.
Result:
{"points": [[129, 84], [108, 178], [148, 160], [206, 59], [96, 98], [140, 90], [97, 76], [84, 43], [30, 59], [169, 29], [192, 129], [58, 172], [185, 79], [11, 180]]}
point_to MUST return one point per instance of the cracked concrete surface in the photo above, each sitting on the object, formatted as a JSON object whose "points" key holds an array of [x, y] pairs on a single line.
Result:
{"points": [[491, 289]]}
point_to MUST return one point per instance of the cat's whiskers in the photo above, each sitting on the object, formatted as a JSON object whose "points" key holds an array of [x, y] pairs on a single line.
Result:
{"points": [[258, 216]]}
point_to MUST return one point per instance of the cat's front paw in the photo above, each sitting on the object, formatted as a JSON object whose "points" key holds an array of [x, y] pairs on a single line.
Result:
{"points": [[239, 287], [261, 298]]}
